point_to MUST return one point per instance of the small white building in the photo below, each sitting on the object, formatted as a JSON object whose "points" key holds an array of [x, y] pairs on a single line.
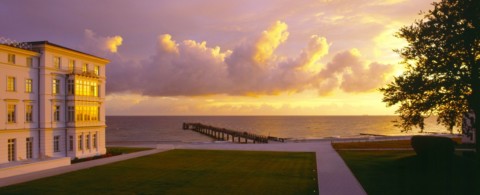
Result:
{"points": [[51, 102]]}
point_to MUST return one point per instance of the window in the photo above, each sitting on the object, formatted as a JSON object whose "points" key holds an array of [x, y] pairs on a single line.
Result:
{"points": [[93, 90], [56, 113], [10, 83], [98, 113], [88, 142], [71, 87], [71, 65], [56, 86], [87, 113], [98, 91], [11, 150], [97, 70], [95, 144], [28, 85], [28, 113], [56, 62], [70, 140], [71, 114], [11, 58], [85, 68], [56, 143], [80, 142], [29, 61], [29, 146], [85, 87], [11, 113]]}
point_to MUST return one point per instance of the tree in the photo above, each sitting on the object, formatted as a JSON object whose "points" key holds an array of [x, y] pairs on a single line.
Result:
{"points": [[442, 61]]}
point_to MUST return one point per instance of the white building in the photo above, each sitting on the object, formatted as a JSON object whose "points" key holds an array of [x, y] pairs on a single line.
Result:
{"points": [[51, 102]]}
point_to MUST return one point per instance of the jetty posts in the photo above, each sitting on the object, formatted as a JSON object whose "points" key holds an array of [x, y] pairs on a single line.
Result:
{"points": [[224, 134]]}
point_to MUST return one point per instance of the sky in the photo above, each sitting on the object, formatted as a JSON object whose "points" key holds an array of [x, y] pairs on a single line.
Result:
{"points": [[229, 57]]}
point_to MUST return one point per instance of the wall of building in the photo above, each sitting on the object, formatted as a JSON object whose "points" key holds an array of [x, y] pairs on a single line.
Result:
{"points": [[43, 128]]}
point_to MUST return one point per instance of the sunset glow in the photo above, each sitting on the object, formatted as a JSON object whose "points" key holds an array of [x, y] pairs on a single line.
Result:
{"points": [[306, 57]]}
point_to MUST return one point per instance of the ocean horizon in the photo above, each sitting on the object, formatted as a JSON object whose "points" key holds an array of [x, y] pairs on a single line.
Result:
{"points": [[169, 128]]}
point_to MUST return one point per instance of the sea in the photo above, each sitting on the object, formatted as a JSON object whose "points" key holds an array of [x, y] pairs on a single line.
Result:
{"points": [[161, 129]]}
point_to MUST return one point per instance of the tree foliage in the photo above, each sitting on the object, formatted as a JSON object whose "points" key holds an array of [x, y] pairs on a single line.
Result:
{"points": [[442, 61]]}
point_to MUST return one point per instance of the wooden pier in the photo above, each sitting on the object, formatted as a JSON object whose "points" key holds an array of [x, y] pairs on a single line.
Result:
{"points": [[229, 135]]}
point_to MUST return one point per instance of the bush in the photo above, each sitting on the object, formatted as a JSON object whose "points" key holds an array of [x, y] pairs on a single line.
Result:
{"points": [[433, 146]]}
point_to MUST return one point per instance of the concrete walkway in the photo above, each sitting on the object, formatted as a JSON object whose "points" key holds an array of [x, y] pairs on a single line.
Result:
{"points": [[74, 167], [334, 177]]}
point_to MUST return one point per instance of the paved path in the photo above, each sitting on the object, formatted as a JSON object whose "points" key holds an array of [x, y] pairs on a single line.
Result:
{"points": [[334, 177], [74, 167]]}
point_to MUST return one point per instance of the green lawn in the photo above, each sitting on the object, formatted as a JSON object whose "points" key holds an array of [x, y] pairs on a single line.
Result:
{"points": [[188, 172], [402, 172]]}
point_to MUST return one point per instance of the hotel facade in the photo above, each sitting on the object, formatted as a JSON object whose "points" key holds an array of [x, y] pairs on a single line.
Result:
{"points": [[51, 102]]}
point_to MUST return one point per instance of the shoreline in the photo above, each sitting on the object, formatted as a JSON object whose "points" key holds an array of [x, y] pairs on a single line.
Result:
{"points": [[359, 138]]}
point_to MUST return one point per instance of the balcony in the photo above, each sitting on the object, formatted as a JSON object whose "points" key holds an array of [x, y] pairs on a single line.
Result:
{"points": [[91, 74]]}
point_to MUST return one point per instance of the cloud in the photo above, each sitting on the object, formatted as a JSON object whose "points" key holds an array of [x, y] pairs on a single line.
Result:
{"points": [[112, 43], [94, 42], [269, 41], [167, 44], [350, 73], [253, 67]]}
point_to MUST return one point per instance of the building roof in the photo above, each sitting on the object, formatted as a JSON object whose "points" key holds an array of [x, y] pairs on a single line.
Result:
{"points": [[63, 47]]}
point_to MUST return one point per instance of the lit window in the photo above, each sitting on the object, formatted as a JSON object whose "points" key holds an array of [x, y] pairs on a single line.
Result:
{"points": [[11, 113], [71, 65], [56, 144], [11, 58], [28, 113], [97, 70], [85, 68], [10, 83], [28, 85], [29, 146], [56, 113], [56, 62], [29, 62], [56, 86]]}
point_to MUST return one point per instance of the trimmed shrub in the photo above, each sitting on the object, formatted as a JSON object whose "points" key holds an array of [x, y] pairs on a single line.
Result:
{"points": [[433, 146]]}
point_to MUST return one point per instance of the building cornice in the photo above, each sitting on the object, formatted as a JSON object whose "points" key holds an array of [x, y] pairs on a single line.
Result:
{"points": [[18, 50], [67, 51], [11, 100]]}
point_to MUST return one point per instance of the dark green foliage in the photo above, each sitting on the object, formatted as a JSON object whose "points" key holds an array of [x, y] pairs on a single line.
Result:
{"points": [[442, 62], [433, 147]]}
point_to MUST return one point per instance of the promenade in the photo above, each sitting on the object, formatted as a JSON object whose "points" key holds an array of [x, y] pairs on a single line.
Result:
{"points": [[334, 177]]}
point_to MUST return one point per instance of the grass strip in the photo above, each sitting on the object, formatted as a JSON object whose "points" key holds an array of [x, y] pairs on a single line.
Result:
{"points": [[111, 151], [372, 144], [402, 172], [396, 144], [124, 150], [188, 172]]}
